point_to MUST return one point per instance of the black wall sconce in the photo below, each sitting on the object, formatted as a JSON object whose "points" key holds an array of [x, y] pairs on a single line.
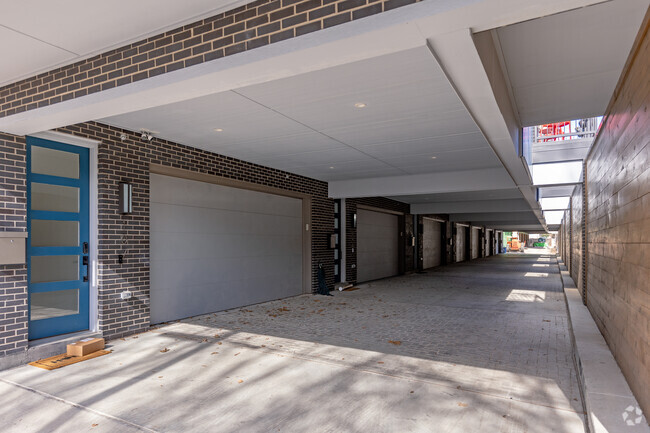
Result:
{"points": [[125, 198]]}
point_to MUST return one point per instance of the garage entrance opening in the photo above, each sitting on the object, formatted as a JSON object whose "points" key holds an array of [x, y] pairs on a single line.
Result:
{"points": [[377, 245], [215, 247], [431, 243]]}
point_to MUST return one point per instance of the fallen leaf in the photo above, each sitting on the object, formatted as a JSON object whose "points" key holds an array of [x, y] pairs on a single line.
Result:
{"points": [[164, 350], [160, 377], [214, 353], [380, 362], [462, 404], [205, 340], [240, 381], [220, 343], [412, 392], [236, 353], [217, 336], [545, 320], [395, 342], [94, 425]]}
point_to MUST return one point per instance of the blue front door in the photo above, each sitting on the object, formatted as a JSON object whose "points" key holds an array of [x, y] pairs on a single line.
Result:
{"points": [[58, 230]]}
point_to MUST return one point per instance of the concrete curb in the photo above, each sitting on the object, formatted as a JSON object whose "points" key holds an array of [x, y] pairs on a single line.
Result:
{"points": [[610, 405]]}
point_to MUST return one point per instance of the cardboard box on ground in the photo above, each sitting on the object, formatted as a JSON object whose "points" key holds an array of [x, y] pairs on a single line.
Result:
{"points": [[85, 346]]}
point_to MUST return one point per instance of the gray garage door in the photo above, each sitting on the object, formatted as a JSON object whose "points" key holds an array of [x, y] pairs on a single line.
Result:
{"points": [[488, 242], [460, 243], [214, 247], [475, 243], [431, 243], [377, 237]]}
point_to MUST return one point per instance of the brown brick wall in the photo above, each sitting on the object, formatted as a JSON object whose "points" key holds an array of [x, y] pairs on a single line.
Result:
{"points": [[248, 27], [13, 278], [618, 223], [406, 253]]}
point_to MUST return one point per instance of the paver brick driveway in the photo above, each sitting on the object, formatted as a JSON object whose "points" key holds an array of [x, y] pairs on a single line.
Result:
{"points": [[474, 347]]}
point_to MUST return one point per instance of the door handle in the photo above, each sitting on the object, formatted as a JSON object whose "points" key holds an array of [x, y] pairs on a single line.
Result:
{"points": [[85, 263]]}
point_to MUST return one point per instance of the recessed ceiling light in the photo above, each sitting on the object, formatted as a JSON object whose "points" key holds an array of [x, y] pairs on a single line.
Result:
{"points": [[218, 129], [331, 168], [433, 157], [360, 105]]}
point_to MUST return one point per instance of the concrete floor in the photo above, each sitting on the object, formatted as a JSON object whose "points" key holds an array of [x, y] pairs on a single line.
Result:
{"points": [[474, 347]]}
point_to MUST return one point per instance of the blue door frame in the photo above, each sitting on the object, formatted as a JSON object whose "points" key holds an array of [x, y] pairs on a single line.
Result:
{"points": [[47, 327]]}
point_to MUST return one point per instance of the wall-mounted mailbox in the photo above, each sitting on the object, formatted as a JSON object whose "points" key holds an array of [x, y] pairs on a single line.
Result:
{"points": [[12, 248]]}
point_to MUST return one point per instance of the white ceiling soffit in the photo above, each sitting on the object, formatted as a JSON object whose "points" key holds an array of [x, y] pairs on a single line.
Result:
{"points": [[388, 32], [499, 194], [556, 191], [412, 123], [566, 66], [40, 35]]}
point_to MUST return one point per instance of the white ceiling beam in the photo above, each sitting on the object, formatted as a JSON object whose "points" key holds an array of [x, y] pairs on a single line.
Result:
{"points": [[556, 191], [510, 205], [514, 227], [523, 217], [380, 34], [433, 183], [471, 63], [564, 155]]}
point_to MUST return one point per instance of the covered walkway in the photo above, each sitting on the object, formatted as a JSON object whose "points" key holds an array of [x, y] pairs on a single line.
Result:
{"points": [[480, 346]]}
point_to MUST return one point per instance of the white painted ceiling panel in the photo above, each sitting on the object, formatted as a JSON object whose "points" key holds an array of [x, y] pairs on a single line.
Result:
{"points": [[194, 122], [270, 147], [20, 53], [382, 105], [403, 129], [430, 146], [565, 66], [500, 194], [446, 161], [556, 191], [350, 174], [323, 157], [415, 65], [574, 98], [308, 123]]}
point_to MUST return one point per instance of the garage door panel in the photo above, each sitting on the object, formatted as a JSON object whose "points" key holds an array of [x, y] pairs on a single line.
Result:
{"points": [[215, 247], [460, 244], [432, 243], [377, 240], [475, 245], [201, 195]]}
